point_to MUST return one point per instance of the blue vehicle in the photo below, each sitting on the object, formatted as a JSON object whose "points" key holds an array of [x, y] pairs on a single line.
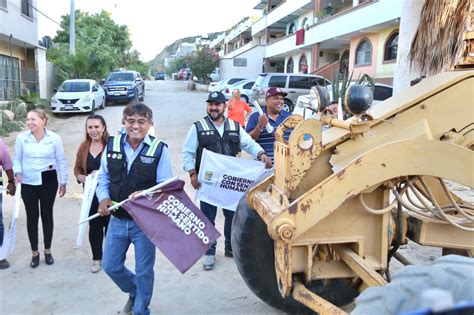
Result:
{"points": [[124, 86], [159, 76]]}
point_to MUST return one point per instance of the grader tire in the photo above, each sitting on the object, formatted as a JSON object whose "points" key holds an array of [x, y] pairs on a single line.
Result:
{"points": [[452, 273], [255, 260]]}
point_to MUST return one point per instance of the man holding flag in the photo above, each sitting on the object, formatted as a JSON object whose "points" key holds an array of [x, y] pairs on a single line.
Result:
{"points": [[6, 164], [132, 162], [218, 134]]}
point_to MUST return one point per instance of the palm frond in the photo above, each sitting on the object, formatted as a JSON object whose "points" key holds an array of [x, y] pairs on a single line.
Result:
{"points": [[437, 44]]}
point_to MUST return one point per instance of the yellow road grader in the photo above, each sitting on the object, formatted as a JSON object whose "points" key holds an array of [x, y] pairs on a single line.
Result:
{"points": [[323, 228]]}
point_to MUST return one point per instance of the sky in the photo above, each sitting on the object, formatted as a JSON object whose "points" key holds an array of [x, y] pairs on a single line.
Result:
{"points": [[153, 24]]}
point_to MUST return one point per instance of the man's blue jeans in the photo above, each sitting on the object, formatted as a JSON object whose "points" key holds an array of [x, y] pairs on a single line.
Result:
{"points": [[2, 229], [210, 212], [121, 233]]}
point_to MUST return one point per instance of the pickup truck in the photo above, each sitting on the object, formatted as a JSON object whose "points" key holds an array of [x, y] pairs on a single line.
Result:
{"points": [[124, 86]]}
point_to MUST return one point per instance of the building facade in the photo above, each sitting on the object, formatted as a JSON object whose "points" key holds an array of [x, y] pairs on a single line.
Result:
{"points": [[22, 60], [324, 37]]}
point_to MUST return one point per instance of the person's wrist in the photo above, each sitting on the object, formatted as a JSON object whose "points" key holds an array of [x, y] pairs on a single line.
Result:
{"points": [[192, 173], [259, 155]]}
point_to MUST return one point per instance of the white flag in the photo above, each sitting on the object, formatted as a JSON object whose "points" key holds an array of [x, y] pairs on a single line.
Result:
{"points": [[9, 239], [225, 179], [89, 193]]}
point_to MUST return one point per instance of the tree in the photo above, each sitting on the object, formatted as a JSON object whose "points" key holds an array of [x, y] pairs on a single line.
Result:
{"points": [[177, 64], [202, 62], [101, 46]]}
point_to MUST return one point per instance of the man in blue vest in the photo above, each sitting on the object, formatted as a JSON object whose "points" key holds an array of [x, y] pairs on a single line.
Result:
{"points": [[218, 134], [132, 162]]}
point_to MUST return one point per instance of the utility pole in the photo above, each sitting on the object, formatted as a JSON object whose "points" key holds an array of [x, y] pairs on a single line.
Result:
{"points": [[72, 30]]}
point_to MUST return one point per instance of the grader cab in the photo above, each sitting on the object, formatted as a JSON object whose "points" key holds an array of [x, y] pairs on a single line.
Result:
{"points": [[325, 225]]}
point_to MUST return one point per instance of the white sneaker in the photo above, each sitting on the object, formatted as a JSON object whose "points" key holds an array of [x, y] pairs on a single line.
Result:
{"points": [[209, 262], [96, 266]]}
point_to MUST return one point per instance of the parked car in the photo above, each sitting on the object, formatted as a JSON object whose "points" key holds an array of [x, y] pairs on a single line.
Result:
{"points": [[160, 76], [292, 83], [78, 96], [124, 86], [222, 85], [381, 93], [214, 75], [245, 88]]}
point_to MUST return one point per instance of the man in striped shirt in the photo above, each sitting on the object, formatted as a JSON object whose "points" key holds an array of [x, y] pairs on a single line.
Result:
{"points": [[273, 114]]}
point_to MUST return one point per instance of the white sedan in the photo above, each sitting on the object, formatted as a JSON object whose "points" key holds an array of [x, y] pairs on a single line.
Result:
{"points": [[78, 96]]}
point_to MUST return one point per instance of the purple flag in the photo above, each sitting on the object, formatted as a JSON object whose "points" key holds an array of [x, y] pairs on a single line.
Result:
{"points": [[174, 224]]}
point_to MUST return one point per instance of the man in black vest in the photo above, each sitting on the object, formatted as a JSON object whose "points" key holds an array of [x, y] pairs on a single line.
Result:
{"points": [[218, 134], [132, 162]]}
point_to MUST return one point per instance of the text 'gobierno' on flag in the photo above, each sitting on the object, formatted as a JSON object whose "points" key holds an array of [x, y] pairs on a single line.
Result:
{"points": [[174, 224]]}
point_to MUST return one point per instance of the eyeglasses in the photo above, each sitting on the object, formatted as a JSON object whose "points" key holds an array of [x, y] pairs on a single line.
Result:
{"points": [[140, 122]]}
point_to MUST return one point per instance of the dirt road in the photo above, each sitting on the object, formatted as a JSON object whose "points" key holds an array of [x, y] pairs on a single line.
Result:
{"points": [[68, 287]]}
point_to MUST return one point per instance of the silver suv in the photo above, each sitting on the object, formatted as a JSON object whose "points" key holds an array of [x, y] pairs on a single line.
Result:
{"points": [[294, 84]]}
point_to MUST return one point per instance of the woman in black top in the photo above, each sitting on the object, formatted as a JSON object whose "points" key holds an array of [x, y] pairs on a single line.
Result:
{"points": [[88, 161]]}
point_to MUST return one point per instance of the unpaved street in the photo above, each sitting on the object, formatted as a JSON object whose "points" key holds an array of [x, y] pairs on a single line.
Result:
{"points": [[68, 287]]}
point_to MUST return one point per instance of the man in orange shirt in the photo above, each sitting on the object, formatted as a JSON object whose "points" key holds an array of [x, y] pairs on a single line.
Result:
{"points": [[238, 109]]}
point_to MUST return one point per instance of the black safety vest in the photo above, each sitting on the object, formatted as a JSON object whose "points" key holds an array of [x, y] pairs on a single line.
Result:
{"points": [[210, 139], [142, 174]]}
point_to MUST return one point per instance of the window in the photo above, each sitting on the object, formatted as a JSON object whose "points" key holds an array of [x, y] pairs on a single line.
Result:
{"points": [[297, 82], [248, 86], [319, 82], [9, 77], [235, 80], [289, 65], [303, 65], [381, 93], [292, 28], [391, 47], [305, 23], [364, 53], [278, 81], [26, 8]]}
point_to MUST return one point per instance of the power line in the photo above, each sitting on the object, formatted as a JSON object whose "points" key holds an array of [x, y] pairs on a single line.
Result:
{"points": [[43, 13]]}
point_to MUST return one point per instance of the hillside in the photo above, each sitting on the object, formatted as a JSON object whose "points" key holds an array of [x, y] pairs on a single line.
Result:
{"points": [[171, 49]]}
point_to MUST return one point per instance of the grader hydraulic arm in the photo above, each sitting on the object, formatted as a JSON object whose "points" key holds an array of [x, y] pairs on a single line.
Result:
{"points": [[341, 201]]}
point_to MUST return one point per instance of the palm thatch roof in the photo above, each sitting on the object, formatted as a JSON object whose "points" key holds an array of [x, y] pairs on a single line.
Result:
{"points": [[437, 45]]}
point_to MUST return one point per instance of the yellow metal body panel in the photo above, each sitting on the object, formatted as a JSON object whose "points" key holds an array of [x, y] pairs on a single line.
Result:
{"points": [[312, 207]]}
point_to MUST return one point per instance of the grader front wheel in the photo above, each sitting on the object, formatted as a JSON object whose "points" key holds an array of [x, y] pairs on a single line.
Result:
{"points": [[254, 256]]}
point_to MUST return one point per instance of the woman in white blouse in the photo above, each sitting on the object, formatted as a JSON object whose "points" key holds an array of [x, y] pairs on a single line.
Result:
{"points": [[39, 157]]}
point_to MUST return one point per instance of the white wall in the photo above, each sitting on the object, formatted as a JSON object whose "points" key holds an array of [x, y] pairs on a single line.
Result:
{"points": [[254, 58], [19, 26], [40, 56], [409, 20]]}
